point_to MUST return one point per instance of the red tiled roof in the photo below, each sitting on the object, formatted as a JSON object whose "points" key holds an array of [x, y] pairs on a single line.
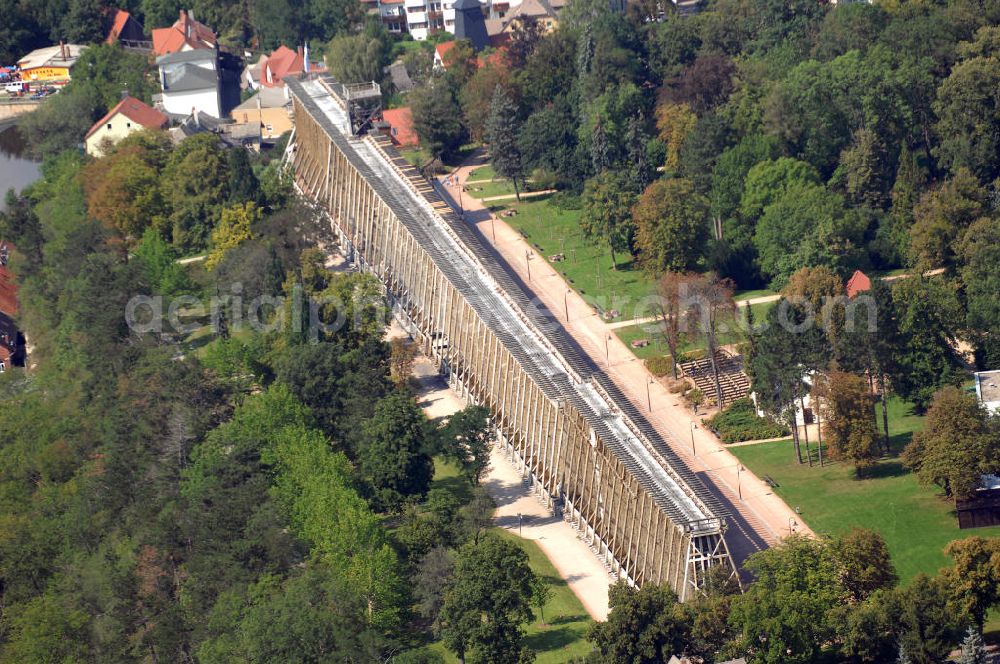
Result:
{"points": [[136, 111], [282, 62], [8, 286], [117, 25], [401, 126], [442, 48], [185, 30], [858, 283]]}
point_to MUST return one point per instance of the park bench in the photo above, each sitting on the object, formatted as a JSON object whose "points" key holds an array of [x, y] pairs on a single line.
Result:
{"points": [[770, 482]]}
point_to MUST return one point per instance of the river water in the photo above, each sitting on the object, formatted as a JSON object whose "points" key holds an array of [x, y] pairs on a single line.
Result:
{"points": [[16, 170]]}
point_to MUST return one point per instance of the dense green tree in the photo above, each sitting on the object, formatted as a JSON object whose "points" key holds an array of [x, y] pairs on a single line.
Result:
{"points": [[501, 134], [866, 566], [979, 253], [159, 265], [808, 226], [968, 122], [437, 116], [197, 171], [671, 226], [956, 446], [392, 455], [768, 181], [62, 121], [927, 314], [488, 601], [785, 614], [607, 213], [466, 439], [941, 217], [849, 427], [548, 140], [357, 58], [644, 626], [974, 576], [310, 617]]}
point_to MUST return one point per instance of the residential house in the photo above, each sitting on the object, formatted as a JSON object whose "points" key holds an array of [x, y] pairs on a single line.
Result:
{"points": [[398, 126], [125, 29], [128, 116], [229, 133], [186, 34], [205, 80], [393, 15], [12, 344], [50, 64], [271, 69], [269, 111], [858, 283], [545, 12], [441, 53]]}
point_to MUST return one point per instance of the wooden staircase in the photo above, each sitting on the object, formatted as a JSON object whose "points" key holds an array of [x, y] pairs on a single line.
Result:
{"points": [[735, 383]]}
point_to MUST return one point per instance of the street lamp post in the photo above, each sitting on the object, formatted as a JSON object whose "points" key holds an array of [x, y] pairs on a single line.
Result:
{"points": [[693, 427], [739, 483], [493, 227], [607, 350], [566, 303], [527, 261], [649, 400]]}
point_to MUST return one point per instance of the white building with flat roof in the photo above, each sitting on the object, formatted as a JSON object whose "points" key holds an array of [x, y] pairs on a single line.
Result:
{"points": [[988, 390]]}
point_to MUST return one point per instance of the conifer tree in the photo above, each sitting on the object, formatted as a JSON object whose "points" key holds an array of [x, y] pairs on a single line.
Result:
{"points": [[501, 133], [973, 648]]}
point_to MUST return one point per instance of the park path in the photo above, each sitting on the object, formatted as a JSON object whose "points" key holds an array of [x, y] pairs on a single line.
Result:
{"points": [[617, 325], [760, 518], [518, 510]]}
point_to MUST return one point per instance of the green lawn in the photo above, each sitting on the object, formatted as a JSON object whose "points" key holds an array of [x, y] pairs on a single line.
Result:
{"points": [[587, 267], [914, 520], [657, 347], [484, 172], [563, 637], [486, 189]]}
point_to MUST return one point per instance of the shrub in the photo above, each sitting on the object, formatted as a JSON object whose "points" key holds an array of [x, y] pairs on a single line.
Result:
{"points": [[679, 386], [739, 422], [659, 366], [565, 200]]}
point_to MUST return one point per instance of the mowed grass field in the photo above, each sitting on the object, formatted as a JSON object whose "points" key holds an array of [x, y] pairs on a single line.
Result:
{"points": [[563, 636], [587, 267], [915, 520]]}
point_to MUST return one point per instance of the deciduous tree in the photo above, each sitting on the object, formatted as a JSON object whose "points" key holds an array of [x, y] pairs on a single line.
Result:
{"points": [[974, 576], [849, 420], [671, 226], [607, 212], [488, 601], [955, 447], [392, 455], [645, 626]]}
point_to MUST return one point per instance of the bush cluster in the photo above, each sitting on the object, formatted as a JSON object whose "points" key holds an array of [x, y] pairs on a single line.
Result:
{"points": [[739, 422]]}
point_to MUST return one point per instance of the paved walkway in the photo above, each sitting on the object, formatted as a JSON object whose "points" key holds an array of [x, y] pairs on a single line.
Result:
{"points": [[574, 561], [760, 517], [653, 319]]}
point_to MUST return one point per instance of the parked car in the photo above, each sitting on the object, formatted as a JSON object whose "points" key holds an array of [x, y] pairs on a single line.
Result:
{"points": [[15, 87]]}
